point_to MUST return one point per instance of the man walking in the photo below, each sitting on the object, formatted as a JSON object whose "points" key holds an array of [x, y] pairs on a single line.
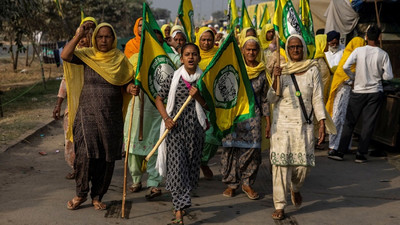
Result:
{"points": [[372, 66]]}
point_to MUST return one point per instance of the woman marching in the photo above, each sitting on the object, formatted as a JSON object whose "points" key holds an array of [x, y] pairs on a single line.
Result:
{"points": [[241, 156], [292, 130], [179, 155]]}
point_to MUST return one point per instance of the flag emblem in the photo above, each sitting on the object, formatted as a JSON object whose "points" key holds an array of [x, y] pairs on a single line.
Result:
{"points": [[226, 87], [160, 68]]}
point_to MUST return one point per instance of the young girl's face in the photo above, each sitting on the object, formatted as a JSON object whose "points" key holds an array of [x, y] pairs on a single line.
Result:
{"points": [[190, 58]]}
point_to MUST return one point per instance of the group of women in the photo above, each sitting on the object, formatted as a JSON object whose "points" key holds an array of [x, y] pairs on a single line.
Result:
{"points": [[100, 87]]}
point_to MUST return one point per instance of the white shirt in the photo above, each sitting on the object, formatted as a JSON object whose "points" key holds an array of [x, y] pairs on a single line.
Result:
{"points": [[372, 65], [334, 58]]}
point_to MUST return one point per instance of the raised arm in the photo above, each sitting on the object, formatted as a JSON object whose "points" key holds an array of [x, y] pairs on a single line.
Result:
{"points": [[69, 48]]}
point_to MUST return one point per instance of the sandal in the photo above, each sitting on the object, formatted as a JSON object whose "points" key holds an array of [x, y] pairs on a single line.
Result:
{"points": [[229, 192], [250, 192], [183, 212], [176, 221], [98, 205], [70, 176], [278, 214], [153, 192], [135, 187], [296, 198], [75, 202]]}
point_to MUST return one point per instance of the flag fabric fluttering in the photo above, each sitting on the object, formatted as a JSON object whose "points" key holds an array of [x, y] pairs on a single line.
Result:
{"points": [[255, 16], [266, 18], [233, 15], [82, 14], [306, 16], [226, 88], [154, 65], [59, 8], [185, 13], [245, 20], [286, 22], [150, 19]]}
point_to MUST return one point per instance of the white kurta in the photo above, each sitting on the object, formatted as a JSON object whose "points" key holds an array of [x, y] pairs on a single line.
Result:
{"points": [[292, 139]]}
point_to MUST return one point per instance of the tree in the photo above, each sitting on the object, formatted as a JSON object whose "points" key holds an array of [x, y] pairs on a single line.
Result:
{"points": [[218, 15], [162, 14]]}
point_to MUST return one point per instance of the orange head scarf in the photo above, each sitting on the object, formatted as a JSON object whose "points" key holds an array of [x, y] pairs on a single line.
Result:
{"points": [[340, 76], [133, 45]]}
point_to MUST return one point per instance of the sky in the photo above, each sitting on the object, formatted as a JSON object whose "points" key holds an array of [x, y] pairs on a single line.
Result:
{"points": [[202, 8]]}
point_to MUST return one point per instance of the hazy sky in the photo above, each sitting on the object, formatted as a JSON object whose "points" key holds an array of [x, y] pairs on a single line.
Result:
{"points": [[202, 8]]}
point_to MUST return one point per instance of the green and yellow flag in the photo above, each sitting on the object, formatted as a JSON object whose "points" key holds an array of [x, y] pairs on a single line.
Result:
{"points": [[154, 65], [185, 13], [233, 15], [82, 14], [152, 22], [255, 16], [286, 22], [245, 20], [266, 18], [306, 16], [226, 88], [59, 8]]}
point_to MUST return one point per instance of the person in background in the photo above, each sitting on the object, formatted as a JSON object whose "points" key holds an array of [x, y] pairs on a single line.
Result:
{"points": [[335, 50], [166, 30], [325, 70], [339, 96], [133, 45], [69, 152], [372, 67], [179, 38], [292, 129], [205, 41]]}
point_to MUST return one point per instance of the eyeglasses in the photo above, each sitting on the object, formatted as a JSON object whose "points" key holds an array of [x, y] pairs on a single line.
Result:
{"points": [[293, 47]]}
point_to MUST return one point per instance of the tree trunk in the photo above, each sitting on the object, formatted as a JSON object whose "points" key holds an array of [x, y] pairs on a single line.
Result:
{"points": [[11, 50], [41, 64], [27, 55]]}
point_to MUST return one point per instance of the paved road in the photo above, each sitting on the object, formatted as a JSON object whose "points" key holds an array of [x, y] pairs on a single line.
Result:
{"points": [[33, 190]]}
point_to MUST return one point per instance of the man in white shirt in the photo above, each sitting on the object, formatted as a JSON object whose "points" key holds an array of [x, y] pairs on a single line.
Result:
{"points": [[335, 50], [372, 66]]}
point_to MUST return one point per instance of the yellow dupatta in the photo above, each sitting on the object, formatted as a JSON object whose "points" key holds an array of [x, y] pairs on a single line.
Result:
{"points": [[163, 28], [340, 76], [263, 40], [113, 66], [208, 55], [253, 72]]}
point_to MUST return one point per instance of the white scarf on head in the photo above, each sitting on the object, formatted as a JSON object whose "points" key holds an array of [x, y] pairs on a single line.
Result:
{"points": [[161, 165]]}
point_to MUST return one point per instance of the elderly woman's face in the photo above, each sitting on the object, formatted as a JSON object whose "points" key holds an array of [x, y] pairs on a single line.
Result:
{"points": [[295, 48], [180, 39], [270, 35], [206, 41], [104, 39], [250, 51]]}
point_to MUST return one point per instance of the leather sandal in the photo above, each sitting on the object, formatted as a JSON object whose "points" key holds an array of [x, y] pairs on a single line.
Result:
{"points": [[153, 192], [135, 187], [278, 214], [98, 205], [229, 192], [75, 202], [250, 192]]}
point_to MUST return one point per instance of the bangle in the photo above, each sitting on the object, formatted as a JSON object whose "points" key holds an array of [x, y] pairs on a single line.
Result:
{"points": [[165, 118]]}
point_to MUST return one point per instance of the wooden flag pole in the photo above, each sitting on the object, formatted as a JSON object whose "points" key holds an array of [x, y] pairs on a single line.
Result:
{"points": [[144, 163], [128, 143], [141, 116], [278, 79]]}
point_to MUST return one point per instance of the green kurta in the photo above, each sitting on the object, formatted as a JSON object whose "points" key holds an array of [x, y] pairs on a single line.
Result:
{"points": [[151, 127]]}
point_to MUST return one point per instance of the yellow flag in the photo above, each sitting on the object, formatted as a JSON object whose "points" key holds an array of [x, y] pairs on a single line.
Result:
{"points": [[185, 13], [306, 16], [226, 88], [286, 22], [233, 15], [266, 18], [245, 20], [154, 65]]}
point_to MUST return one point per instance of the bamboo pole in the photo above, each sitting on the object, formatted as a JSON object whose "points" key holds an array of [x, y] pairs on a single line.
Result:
{"points": [[141, 116], [278, 79], [128, 143], [144, 163]]}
